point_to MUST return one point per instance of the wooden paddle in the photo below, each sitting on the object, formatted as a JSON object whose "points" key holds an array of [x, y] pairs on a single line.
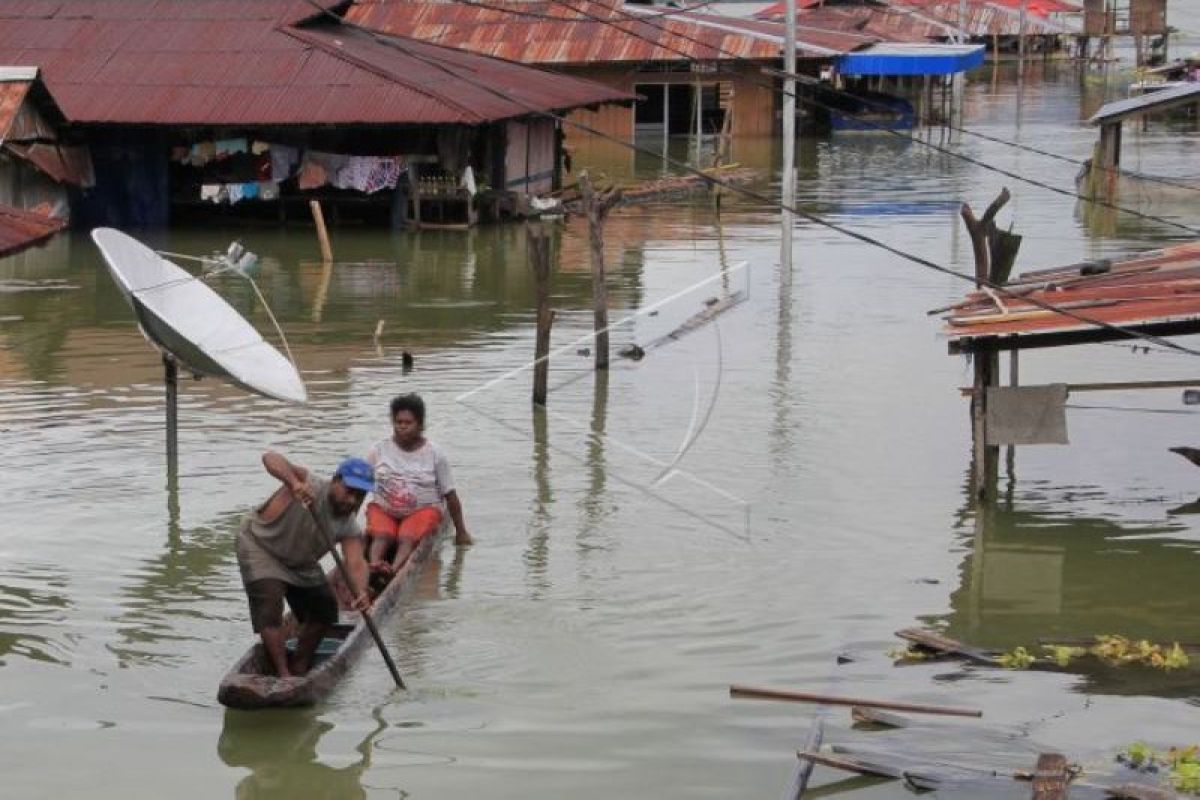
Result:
{"points": [[337, 559]]}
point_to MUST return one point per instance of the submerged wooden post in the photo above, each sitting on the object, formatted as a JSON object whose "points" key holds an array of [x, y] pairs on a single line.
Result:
{"points": [[538, 241], [171, 379], [985, 458], [597, 209], [1050, 779], [1010, 456], [322, 234]]}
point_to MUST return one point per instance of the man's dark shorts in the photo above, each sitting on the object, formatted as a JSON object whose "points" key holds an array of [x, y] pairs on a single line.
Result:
{"points": [[315, 603]]}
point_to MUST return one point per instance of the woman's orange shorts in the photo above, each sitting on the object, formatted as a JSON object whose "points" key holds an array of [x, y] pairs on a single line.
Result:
{"points": [[413, 528]]}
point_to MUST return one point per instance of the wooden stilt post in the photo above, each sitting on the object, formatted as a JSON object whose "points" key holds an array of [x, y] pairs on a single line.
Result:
{"points": [[171, 380], [538, 240], [985, 457], [322, 234], [1021, 34], [1010, 455], [597, 208]]}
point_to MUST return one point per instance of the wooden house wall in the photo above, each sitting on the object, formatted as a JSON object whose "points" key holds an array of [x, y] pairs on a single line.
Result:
{"points": [[529, 156], [753, 103]]}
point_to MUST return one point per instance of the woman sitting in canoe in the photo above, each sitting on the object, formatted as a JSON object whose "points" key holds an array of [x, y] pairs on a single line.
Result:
{"points": [[412, 479]]}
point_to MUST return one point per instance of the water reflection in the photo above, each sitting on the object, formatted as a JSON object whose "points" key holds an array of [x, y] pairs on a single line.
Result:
{"points": [[33, 598], [537, 552], [181, 581], [596, 507], [280, 750], [1034, 572]]}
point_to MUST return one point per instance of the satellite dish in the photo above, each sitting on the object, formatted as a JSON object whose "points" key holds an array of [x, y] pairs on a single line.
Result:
{"points": [[187, 319]]}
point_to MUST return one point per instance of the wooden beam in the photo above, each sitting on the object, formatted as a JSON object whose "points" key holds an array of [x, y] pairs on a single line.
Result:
{"points": [[756, 693], [1085, 335]]}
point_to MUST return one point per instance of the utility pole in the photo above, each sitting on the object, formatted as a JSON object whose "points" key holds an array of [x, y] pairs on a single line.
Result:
{"points": [[789, 137]]}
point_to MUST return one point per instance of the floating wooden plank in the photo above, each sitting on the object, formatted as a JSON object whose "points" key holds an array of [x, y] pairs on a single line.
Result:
{"points": [[873, 716], [851, 764], [1137, 791], [756, 693], [1050, 779], [932, 640], [805, 766], [714, 308], [878, 754]]}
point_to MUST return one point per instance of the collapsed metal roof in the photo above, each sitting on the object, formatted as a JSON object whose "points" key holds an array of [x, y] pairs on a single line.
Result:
{"points": [[1159, 100], [262, 62], [20, 229], [1155, 292]]}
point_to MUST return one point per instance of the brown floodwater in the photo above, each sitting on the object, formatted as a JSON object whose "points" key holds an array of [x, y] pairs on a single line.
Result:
{"points": [[742, 505]]}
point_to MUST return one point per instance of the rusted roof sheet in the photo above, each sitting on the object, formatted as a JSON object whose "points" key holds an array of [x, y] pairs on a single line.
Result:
{"points": [[890, 24], [984, 17], [1036, 7], [12, 95], [1156, 288], [811, 39], [239, 62], [20, 229], [70, 164], [575, 32]]}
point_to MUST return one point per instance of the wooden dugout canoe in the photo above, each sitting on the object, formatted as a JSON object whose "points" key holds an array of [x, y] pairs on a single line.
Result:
{"points": [[251, 682]]}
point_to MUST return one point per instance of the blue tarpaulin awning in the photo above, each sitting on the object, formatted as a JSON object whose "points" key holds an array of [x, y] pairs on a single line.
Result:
{"points": [[912, 59]]}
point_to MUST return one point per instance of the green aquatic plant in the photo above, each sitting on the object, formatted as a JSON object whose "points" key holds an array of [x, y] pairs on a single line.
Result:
{"points": [[1062, 654], [1119, 650], [908, 654], [1019, 658], [1138, 755], [1182, 763]]}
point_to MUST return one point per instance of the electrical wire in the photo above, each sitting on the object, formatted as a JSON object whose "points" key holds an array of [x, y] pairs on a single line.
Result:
{"points": [[469, 78], [643, 18], [813, 102]]}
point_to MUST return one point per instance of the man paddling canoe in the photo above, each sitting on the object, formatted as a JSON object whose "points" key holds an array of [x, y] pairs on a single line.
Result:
{"points": [[280, 546]]}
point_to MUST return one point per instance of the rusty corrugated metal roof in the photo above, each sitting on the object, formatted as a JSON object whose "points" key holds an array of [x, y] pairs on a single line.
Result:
{"points": [[540, 32], [811, 35], [20, 229], [12, 95], [1158, 287], [984, 18], [239, 62]]}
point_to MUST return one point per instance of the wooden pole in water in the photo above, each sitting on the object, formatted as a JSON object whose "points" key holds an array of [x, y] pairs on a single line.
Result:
{"points": [[171, 379], [755, 693], [539, 259], [805, 767], [1021, 34], [788, 221], [322, 234], [985, 458], [597, 208]]}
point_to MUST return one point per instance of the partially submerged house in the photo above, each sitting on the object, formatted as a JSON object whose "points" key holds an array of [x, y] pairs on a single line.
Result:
{"points": [[1105, 19], [694, 71], [36, 167], [681, 70], [253, 108]]}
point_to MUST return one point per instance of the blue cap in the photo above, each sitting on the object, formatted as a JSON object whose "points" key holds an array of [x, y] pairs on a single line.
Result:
{"points": [[357, 474]]}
